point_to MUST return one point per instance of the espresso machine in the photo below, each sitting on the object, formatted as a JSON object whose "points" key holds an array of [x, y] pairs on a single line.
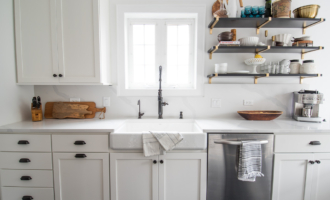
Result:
{"points": [[306, 106]]}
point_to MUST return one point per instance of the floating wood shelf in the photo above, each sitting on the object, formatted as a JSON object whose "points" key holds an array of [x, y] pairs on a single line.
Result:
{"points": [[263, 49], [258, 23], [257, 76]]}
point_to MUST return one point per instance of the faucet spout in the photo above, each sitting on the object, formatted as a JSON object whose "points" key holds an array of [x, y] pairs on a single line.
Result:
{"points": [[160, 96]]}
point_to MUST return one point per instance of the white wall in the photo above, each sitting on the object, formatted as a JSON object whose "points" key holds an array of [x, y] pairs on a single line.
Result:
{"points": [[265, 96], [14, 100]]}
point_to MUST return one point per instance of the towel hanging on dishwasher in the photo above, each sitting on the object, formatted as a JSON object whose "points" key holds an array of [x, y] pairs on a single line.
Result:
{"points": [[249, 161]]}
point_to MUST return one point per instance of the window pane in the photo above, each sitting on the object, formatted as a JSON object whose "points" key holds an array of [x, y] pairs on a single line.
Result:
{"points": [[138, 34], [144, 54], [178, 54]]}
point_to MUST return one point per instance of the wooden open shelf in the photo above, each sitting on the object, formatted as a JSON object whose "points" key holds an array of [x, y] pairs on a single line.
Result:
{"points": [[258, 23], [263, 49], [257, 76]]}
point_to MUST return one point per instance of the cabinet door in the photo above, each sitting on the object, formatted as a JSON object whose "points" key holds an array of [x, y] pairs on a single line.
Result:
{"points": [[182, 176], [36, 45], [321, 180], [78, 40], [81, 178], [133, 176], [292, 176]]}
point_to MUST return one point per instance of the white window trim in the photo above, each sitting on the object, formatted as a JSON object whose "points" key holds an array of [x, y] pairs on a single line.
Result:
{"points": [[161, 11]]}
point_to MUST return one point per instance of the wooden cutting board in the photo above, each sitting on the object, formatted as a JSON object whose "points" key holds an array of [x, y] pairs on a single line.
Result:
{"points": [[49, 107]]}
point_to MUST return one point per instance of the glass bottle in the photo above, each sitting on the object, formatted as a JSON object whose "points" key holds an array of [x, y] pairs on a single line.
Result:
{"points": [[273, 41], [268, 7]]}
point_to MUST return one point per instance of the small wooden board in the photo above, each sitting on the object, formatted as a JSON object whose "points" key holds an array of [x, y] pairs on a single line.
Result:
{"points": [[91, 107], [74, 111]]}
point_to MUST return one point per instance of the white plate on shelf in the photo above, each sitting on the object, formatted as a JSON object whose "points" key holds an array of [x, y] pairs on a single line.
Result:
{"points": [[239, 72]]}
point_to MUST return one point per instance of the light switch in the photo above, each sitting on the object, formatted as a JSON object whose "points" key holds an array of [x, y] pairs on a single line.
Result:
{"points": [[216, 103], [106, 101]]}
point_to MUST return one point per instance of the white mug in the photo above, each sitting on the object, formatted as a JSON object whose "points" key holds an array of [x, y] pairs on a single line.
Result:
{"points": [[221, 68]]}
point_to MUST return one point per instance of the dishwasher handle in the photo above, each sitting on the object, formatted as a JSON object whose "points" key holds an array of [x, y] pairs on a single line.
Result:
{"points": [[232, 142]]}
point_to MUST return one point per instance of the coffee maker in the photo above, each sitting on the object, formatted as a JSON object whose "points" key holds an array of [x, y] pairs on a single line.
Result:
{"points": [[306, 106]]}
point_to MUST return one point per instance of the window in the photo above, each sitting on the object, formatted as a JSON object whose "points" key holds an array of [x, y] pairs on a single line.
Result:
{"points": [[167, 36], [166, 42]]}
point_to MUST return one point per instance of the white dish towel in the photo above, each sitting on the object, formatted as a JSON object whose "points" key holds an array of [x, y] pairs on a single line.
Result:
{"points": [[249, 157], [156, 142]]}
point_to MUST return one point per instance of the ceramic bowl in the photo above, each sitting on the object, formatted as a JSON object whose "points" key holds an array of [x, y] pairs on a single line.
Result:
{"points": [[285, 38], [225, 36], [309, 11], [249, 41], [260, 115]]}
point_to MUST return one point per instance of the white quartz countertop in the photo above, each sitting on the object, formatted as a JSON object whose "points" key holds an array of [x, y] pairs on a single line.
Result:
{"points": [[277, 126]]}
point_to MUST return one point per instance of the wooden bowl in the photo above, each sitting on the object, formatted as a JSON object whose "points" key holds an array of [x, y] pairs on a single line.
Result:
{"points": [[263, 115]]}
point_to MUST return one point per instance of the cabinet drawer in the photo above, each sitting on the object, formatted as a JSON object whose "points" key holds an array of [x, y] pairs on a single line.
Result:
{"points": [[22, 142], [80, 143], [15, 193], [301, 143], [27, 178], [11, 160]]}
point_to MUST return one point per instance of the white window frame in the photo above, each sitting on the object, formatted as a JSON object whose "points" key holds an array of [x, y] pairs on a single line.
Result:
{"points": [[195, 13]]}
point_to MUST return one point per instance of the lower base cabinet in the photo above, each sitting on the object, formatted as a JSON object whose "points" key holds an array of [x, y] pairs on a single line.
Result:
{"points": [[301, 176], [81, 176], [174, 176]]}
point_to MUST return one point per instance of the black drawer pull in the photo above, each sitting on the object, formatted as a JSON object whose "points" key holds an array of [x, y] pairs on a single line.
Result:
{"points": [[24, 160], [80, 156], [318, 162], [27, 198], [155, 161], [23, 142], [315, 143], [26, 178], [80, 142], [161, 161], [311, 162]]}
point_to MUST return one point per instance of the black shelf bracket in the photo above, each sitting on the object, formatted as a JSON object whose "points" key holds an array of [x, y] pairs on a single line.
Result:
{"points": [[306, 27], [215, 48], [257, 77], [216, 19], [268, 47], [266, 22], [304, 77], [303, 52]]}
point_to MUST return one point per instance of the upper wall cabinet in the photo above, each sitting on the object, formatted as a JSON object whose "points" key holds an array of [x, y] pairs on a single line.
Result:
{"points": [[62, 42]]}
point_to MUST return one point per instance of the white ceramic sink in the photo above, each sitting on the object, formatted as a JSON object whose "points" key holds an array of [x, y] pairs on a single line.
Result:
{"points": [[129, 134]]}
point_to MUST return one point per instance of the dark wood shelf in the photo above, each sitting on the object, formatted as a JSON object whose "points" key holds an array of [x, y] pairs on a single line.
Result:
{"points": [[256, 22], [257, 76], [263, 49]]}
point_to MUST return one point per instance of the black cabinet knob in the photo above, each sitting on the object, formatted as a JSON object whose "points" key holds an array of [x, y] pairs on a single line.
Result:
{"points": [[27, 198], [80, 142], [318, 162], [311, 162], [161, 161], [23, 142], [24, 160], [26, 178], [80, 156], [155, 161], [60, 75], [55, 75], [315, 143]]}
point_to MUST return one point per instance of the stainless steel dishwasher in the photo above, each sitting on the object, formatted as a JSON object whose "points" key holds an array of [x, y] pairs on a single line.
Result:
{"points": [[222, 182]]}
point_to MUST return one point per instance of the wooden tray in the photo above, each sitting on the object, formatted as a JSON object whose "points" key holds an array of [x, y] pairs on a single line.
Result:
{"points": [[91, 107], [263, 115]]}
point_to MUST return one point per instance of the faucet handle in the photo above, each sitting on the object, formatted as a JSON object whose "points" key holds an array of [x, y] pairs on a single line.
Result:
{"points": [[165, 104]]}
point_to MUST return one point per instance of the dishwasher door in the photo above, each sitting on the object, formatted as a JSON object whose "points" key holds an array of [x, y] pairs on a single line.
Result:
{"points": [[222, 183]]}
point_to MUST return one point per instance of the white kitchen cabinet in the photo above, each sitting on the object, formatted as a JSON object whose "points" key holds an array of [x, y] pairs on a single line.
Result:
{"points": [[174, 176], [133, 176], [36, 45], [321, 180], [182, 176], [292, 176], [63, 42], [83, 178]]}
